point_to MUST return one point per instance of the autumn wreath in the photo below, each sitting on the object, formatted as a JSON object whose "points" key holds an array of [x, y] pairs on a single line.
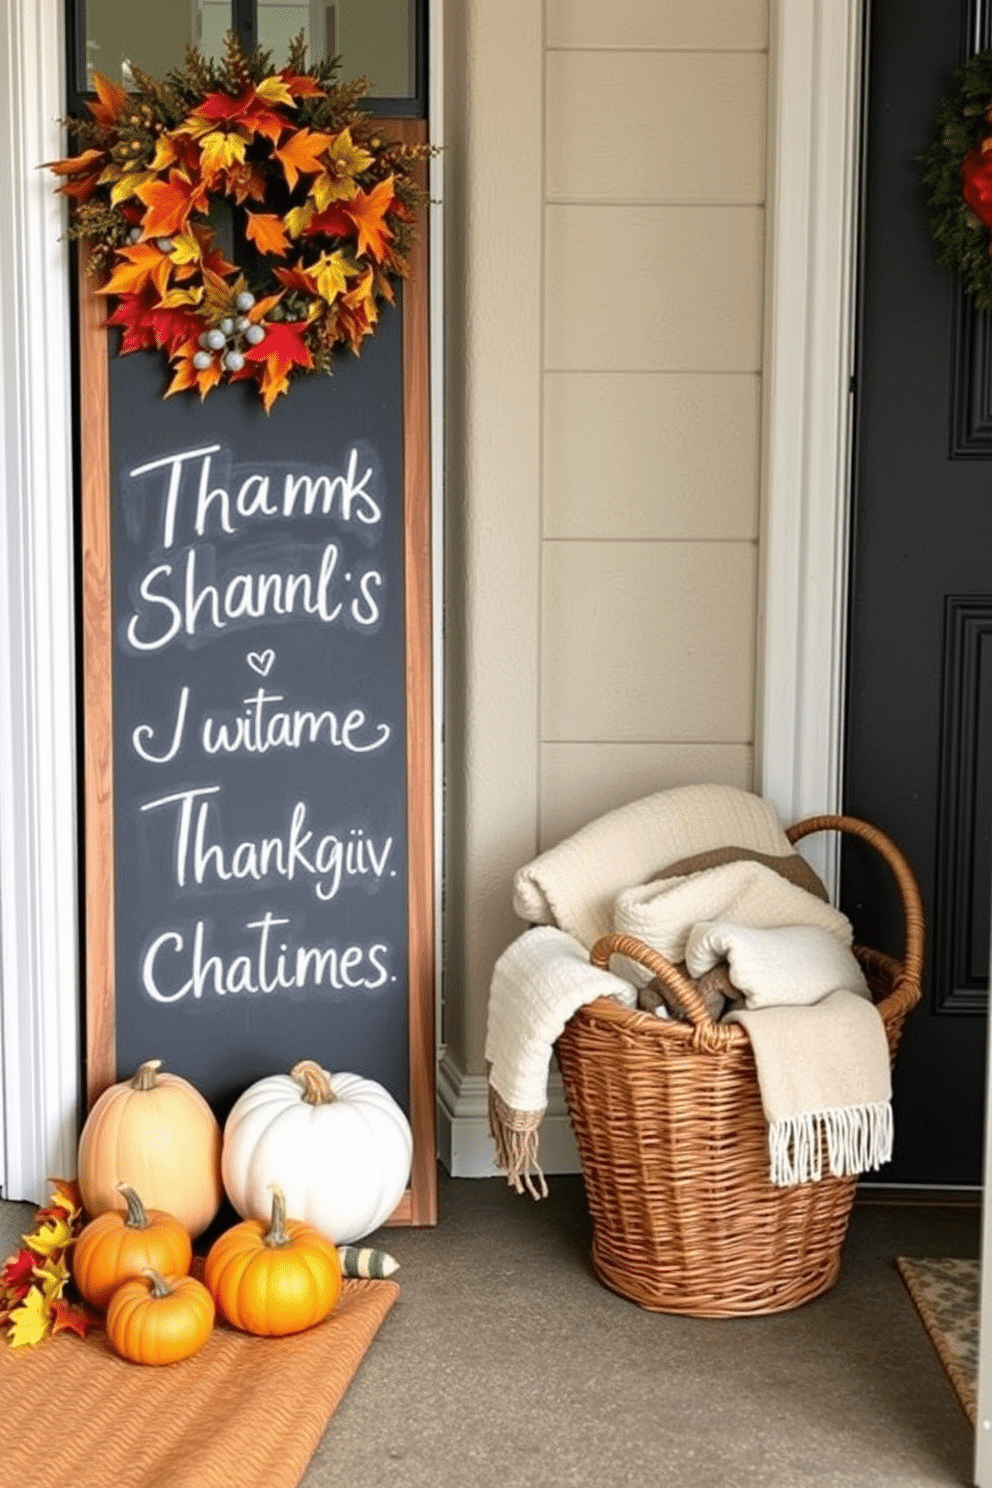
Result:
{"points": [[320, 206], [956, 171]]}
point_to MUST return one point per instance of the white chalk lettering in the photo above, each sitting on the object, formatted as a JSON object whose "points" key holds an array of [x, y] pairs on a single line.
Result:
{"points": [[145, 731], [258, 730], [262, 969]]}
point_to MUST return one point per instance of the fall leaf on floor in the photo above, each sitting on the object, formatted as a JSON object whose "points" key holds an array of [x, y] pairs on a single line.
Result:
{"points": [[55, 1235], [30, 1322], [52, 1277], [66, 1195], [72, 1317], [17, 1276]]}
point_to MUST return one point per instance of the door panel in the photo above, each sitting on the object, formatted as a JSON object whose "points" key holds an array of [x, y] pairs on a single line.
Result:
{"points": [[918, 748]]}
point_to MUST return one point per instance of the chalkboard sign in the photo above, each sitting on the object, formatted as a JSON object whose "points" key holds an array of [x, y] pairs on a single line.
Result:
{"points": [[258, 810]]}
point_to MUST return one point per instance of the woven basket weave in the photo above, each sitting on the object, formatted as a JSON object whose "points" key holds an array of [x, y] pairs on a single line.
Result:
{"points": [[674, 1143]]}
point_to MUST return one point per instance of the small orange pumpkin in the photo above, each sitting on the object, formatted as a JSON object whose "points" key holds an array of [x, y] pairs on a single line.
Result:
{"points": [[116, 1246], [273, 1280], [159, 1319]]}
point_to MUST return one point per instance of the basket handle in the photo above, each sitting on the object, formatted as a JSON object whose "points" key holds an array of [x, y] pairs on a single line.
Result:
{"points": [[706, 1032], [914, 920]]}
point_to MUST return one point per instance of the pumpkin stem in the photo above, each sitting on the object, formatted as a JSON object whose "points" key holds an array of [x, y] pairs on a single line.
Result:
{"points": [[145, 1076], [315, 1081], [137, 1219], [276, 1234], [159, 1286]]}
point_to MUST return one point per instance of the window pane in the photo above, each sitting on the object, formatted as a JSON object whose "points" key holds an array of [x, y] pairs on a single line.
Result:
{"points": [[374, 38], [155, 36]]}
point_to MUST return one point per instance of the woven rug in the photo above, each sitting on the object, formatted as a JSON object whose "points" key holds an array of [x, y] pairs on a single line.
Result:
{"points": [[946, 1295], [244, 1410]]}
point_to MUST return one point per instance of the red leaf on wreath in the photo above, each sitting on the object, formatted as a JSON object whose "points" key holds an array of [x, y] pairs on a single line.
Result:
{"points": [[296, 279], [298, 156], [169, 204], [332, 223], [220, 106], [367, 212], [111, 100], [300, 85], [976, 181], [282, 349], [266, 231]]}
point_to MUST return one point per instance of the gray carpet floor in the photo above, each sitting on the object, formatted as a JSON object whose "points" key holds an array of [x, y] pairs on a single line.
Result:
{"points": [[506, 1364]]}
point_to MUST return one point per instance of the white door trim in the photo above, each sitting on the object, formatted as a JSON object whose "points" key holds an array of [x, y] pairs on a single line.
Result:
{"points": [[814, 133], [39, 963]]}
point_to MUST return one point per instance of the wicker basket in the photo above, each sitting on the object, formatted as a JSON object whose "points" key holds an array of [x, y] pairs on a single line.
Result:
{"points": [[674, 1142]]}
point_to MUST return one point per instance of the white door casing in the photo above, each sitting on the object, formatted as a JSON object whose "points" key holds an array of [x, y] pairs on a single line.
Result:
{"points": [[39, 971]]}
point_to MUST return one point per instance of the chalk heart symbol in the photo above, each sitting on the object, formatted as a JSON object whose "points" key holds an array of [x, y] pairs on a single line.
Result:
{"points": [[261, 661]]}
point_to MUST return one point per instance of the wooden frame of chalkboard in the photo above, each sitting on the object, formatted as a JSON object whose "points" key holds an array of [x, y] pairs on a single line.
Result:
{"points": [[108, 850]]}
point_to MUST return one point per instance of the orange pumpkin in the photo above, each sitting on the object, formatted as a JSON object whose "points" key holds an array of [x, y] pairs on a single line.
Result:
{"points": [[159, 1319], [116, 1246], [273, 1279], [157, 1133]]}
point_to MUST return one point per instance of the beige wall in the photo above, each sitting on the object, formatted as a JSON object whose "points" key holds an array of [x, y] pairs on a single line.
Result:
{"points": [[604, 208]]}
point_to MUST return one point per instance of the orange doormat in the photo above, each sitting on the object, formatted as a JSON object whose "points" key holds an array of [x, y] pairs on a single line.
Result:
{"points": [[244, 1410]]}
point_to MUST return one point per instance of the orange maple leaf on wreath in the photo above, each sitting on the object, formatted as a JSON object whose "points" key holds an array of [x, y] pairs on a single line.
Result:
{"points": [[144, 263], [298, 156], [266, 231], [169, 204], [367, 211], [111, 100]]}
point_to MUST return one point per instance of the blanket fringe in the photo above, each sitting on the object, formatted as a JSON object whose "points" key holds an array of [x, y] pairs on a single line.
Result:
{"points": [[856, 1138], [517, 1137]]}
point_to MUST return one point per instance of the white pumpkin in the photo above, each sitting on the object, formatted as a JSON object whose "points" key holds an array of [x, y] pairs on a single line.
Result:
{"points": [[338, 1146]]}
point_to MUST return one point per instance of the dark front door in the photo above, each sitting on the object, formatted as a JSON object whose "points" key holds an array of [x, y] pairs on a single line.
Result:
{"points": [[918, 753]]}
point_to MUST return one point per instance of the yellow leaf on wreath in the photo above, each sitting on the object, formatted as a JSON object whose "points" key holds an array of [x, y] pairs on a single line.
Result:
{"points": [[30, 1322], [185, 249], [166, 154], [108, 174], [326, 189], [298, 219], [54, 1236], [128, 185], [274, 90], [330, 274], [176, 298], [218, 151]]}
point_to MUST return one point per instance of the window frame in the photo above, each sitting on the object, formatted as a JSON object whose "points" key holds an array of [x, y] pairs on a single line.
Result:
{"points": [[244, 21]]}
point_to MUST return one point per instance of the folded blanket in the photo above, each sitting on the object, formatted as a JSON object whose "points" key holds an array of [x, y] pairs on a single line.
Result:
{"points": [[574, 884], [663, 912], [792, 965], [823, 1072], [541, 979]]}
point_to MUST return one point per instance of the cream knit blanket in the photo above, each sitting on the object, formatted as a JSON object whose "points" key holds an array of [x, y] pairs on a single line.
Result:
{"points": [[574, 884], [541, 979]]}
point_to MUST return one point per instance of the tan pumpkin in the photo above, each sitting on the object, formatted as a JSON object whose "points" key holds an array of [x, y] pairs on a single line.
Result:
{"points": [[273, 1279], [159, 1319], [156, 1133], [120, 1244]]}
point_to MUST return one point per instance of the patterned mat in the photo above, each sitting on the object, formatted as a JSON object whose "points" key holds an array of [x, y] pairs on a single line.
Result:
{"points": [[245, 1411], [945, 1293]]}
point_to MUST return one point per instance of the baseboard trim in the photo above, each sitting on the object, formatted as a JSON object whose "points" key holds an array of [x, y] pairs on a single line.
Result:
{"points": [[465, 1146]]}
